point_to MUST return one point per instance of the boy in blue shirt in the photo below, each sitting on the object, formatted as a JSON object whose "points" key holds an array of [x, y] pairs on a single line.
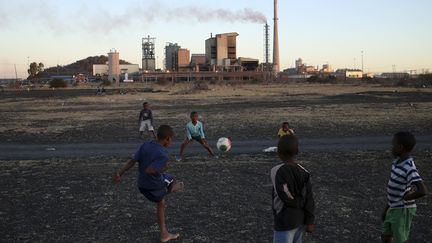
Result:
{"points": [[404, 186], [194, 131], [153, 182]]}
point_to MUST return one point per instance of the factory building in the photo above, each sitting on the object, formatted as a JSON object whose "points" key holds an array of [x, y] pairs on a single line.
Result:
{"points": [[221, 50], [113, 69], [102, 69], [198, 62], [148, 54], [248, 64], [171, 52], [183, 59], [349, 73], [176, 58]]}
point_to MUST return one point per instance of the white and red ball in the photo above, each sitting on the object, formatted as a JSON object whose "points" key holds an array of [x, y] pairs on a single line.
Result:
{"points": [[223, 144]]}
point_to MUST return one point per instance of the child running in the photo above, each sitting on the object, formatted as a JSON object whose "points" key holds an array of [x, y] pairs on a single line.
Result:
{"points": [[293, 203], [194, 131], [285, 130], [153, 182], [145, 121], [404, 186]]}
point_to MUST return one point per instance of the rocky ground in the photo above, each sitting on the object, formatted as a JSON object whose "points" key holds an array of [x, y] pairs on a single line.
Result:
{"points": [[70, 199], [226, 200]]}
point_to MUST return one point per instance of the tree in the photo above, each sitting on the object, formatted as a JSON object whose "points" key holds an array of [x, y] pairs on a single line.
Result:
{"points": [[35, 69]]}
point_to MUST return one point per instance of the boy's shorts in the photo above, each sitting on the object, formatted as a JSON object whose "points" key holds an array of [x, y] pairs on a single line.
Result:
{"points": [[197, 138], [156, 195], [397, 223], [292, 236], [146, 125]]}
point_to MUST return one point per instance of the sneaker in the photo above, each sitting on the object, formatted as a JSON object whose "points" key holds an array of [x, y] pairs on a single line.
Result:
{"points": [[178, 158]]}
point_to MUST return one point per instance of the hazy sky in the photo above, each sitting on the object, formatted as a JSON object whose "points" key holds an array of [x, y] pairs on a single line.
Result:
{"points": [[390, 32]]}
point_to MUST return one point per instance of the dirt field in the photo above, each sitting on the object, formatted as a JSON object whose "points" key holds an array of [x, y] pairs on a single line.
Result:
{"points": [[228, 200], [242, 112], [68, 199]]}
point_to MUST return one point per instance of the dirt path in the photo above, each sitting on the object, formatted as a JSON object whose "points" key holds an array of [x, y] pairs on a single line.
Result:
{"points": [[44, 151]]}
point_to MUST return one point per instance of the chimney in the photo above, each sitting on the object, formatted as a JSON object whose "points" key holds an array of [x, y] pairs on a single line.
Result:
{"points": [[276, 67]]}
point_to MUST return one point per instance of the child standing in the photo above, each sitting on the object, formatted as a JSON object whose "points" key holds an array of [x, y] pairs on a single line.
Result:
{"points": [[145, 120], [194, 131], [293, 203], [404, 186], [153, 182], [285, 130]]}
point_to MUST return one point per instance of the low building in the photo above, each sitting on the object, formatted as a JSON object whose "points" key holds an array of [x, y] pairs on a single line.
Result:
{"points": [[248, 64], [394, 75], [198, 62], [349, 73], [102, 69]]}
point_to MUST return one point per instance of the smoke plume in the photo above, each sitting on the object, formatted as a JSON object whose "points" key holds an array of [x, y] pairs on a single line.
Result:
{"points": [[45, 13]]}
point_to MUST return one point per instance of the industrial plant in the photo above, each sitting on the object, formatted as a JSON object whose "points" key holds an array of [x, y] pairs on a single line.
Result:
{"points": [[220, 60]]}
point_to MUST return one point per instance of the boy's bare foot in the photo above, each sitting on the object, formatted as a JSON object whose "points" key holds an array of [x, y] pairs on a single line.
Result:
{"points": [[177, 186], [169, 237]]}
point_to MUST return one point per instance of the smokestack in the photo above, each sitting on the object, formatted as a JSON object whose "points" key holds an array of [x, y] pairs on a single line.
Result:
{"points": [[276, 67]]}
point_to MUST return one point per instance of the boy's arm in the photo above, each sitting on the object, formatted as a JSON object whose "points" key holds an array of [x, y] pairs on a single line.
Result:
{"points": [[309, 208], [139, 117], [418, 192], [129, 164], [188, 134], [202, 131], [151, 117], [283, 192], [383, 215]]}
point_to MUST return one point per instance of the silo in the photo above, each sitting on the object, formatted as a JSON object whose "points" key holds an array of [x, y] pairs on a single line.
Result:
{"points": [[114, 66]]}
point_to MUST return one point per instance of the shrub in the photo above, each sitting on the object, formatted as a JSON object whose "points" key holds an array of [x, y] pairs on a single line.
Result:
{"points": [[162, 81], [106, 83], [58, 83]]}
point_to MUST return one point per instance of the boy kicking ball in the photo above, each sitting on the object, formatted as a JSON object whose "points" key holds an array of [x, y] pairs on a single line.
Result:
{"points": [[194, 132], [153, 182]]}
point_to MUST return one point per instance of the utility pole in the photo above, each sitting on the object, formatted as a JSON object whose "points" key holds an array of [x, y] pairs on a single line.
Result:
{"points": [[16, 74], [362, 61]]}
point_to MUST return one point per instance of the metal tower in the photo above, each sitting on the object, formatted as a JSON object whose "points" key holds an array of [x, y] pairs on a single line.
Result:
{"points": [[148, 53]]}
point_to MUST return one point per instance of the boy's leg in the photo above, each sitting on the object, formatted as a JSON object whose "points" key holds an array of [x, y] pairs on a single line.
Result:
{"points": [[151, 129], [204, 143], [141, 129], [183, 146], [292, 236], [165, 236]]}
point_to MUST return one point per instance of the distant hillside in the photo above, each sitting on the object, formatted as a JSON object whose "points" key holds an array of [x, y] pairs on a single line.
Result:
{"points": [[84, 66]]}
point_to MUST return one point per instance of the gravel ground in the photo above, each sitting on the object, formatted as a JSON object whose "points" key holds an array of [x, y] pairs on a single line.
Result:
{"points": [[226, 200]]}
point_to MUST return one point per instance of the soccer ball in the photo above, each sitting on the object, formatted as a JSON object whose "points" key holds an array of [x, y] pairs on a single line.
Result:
{"points": [[223, 144]]}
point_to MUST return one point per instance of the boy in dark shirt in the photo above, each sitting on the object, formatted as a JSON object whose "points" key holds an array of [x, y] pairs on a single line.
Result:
{"points": [[153, 182], [145, 120], [293, 203]]}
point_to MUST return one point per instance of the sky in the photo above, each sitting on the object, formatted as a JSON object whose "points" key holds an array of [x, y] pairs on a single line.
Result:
{"points": [[391, 33]]}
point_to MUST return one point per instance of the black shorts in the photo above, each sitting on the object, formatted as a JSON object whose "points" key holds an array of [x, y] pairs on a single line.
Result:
{"points": [[156, 195], [197, 138]]}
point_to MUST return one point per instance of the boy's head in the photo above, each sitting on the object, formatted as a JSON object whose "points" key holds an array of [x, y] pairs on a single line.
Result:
{"points": [[164, 135], [194, 116], [288, 147], [285, 126], [145, 105], [403, 142]]}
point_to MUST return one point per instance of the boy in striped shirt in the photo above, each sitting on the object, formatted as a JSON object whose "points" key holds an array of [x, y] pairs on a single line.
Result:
{"points": [[404, 186]]}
